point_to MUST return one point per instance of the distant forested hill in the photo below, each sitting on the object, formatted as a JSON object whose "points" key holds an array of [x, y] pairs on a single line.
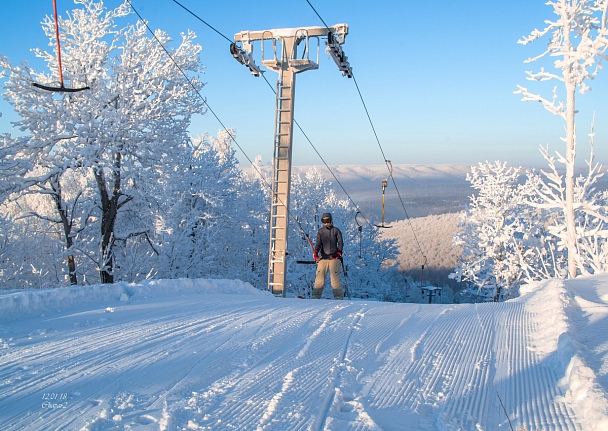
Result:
{"points": [[429, 236]]}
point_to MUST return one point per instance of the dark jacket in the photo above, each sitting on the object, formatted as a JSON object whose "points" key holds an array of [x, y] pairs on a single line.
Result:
{"points": [[329, 241]]}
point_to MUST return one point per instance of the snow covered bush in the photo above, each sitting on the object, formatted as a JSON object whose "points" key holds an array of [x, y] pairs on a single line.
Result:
{"points": [[209, 225]]}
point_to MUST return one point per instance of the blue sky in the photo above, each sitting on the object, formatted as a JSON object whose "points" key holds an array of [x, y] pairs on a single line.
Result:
{"points": [[437, 78]]}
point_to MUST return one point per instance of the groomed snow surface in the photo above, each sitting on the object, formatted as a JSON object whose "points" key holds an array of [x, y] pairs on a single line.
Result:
{"points": [[221, 355]]}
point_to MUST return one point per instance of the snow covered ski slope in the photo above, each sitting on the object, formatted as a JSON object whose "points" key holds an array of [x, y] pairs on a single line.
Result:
{"points": [[220, 355]]}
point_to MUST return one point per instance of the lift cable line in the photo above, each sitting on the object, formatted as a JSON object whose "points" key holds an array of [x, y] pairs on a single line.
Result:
{"points": [[325, 163], [203, 21], [390, 171], [260, 173], [331, 172], [241, 56], [315, 11], [279, 199], [62, 88], [235, 52], [388, 164]]}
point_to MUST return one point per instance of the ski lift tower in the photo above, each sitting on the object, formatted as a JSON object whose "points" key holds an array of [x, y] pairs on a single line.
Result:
{"points": [[283, 59]]}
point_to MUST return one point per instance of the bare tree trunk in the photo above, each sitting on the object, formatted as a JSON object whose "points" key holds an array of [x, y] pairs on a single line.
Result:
{"points": [[67, 223], [109, 211], [108, 218], [570, 158], [72, 269]]}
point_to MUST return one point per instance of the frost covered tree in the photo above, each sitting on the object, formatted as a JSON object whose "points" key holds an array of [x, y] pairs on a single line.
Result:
{"points": [[254, 195], [548, 199], [12, 166], [131, 120], [71, 211], [515, 232], [490, 231], [31, 223], [18, 237], [236, 215], [209, 225], [187, 222], [579, 39]]}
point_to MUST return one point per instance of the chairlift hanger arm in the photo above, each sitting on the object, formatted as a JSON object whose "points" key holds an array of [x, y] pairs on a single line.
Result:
{"points": [[244, 56], [359, 225], [390, 169], [360, 229], [62, 88], [384, 185], [334, 49]]}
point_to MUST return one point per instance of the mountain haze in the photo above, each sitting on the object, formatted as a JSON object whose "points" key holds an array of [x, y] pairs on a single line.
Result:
{"points": [[424, 189]]}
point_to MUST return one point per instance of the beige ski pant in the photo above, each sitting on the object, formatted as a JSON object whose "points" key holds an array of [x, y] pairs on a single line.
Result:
{"points": [[333, 266]]}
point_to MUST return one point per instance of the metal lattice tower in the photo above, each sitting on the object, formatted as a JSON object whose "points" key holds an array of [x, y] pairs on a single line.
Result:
{"points": [[284, 60]]}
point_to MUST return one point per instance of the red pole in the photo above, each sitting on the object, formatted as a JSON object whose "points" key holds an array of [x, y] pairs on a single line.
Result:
{"points": [[58, 45]]}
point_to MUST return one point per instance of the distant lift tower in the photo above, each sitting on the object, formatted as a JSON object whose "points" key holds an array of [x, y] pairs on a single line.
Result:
{"points": [[283, 58]]}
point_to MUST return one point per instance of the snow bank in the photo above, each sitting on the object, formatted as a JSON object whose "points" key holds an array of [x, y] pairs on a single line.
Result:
{"points": [[584, 394], [19, 304], [547, 299], [555, 339], [187, 285], [210, 354]]}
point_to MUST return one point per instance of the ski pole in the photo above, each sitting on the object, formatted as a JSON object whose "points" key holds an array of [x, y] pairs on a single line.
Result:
{"points": [[345, 278]]}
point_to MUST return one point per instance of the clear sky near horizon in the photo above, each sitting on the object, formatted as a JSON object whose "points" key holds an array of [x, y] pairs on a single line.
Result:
{"points": [[437, 78]]}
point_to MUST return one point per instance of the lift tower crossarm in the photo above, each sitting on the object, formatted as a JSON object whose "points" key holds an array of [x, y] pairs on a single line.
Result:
{"points": [[339, 30], [285, 61], [291, 38]]}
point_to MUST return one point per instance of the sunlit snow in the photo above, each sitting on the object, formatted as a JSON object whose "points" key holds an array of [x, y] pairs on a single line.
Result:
{"points": [[221, 355]]}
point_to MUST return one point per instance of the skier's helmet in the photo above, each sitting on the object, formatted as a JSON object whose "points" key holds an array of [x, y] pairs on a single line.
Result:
{"points": [[326, 218]]}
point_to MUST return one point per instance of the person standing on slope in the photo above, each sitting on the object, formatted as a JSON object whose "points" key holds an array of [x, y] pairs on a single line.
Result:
{"points": [[328, 252]]}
